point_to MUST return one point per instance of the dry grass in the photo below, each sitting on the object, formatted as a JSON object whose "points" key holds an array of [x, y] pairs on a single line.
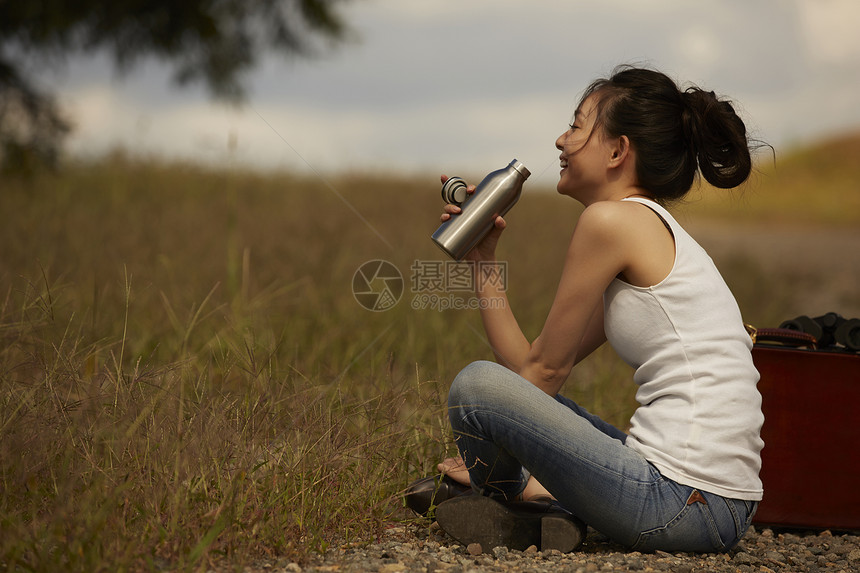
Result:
{"points": [[185, 375], [808, 187]]}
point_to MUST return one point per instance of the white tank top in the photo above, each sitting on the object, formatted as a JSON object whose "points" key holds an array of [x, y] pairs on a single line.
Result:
{"points": [[699, 413]]}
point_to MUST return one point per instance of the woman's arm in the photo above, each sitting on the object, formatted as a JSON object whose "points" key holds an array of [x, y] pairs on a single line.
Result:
{"points": [[507, 340], [510, 346], [505, 336], [600, 250], [594, 337]]}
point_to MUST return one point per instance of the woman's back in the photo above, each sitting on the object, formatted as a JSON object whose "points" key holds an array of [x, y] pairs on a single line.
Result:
{"points": [[700, 412]]}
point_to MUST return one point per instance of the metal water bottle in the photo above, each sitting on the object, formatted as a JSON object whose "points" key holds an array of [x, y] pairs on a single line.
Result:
{"points": [[493, 197]]}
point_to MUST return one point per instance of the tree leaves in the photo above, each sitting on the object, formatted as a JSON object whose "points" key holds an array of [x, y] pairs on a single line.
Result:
{"points": [[206, 41]]}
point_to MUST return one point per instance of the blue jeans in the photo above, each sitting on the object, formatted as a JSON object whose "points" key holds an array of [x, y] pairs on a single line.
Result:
{"points": [[507, 429]]}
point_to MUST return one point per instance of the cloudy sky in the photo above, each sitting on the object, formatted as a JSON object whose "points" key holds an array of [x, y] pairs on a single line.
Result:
{"points": [[467, 85]]}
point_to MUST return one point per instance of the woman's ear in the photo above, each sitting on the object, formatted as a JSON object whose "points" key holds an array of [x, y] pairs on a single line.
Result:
{"points": [[619, 151]]}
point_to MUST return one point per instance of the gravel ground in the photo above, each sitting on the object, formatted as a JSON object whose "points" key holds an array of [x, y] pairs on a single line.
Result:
{"points": [[415, 548], [814, 270]]}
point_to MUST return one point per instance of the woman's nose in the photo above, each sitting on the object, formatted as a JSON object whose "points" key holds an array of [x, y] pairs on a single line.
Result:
{"points": [[559, 143]]}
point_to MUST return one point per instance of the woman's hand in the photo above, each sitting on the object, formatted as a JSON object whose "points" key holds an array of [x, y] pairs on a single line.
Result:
{"points": [[486, 249]]}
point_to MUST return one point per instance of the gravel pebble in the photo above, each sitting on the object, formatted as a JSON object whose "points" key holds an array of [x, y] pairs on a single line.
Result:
{"points": [[412, 547]]}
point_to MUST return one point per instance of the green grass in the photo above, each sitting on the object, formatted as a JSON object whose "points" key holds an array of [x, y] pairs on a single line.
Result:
{"points": [[185, 376]]}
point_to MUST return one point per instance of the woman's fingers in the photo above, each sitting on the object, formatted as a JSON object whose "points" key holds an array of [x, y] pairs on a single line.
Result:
{"points": [[449, 210]]}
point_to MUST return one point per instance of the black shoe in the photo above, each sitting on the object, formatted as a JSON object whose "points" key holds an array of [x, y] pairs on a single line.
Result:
{"points": [[515, 525], [424, 495]]}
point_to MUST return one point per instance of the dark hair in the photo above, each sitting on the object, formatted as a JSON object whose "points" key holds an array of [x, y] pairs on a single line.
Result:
{"points": [[675, 133]]}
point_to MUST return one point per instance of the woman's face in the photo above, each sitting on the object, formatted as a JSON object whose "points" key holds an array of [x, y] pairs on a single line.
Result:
{"points": [[583, 154]]}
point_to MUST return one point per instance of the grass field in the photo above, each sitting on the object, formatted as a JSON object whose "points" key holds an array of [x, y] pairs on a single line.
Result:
{"points": [[186, 376]]}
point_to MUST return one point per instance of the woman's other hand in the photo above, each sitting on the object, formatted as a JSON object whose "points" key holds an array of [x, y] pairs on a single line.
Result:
{"points": [[486, 249]]}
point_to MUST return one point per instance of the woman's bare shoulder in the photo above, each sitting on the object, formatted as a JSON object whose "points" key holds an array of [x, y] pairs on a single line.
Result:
{"points": [[615, 217]]}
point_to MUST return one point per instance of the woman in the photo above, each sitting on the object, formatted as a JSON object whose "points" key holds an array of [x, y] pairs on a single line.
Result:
{"points": [[686, 476]]}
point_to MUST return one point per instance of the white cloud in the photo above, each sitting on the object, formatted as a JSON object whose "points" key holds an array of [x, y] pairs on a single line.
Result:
{"points": [[468, 136], [101, 117], [830, 30], [699, 47], [465, 86]]}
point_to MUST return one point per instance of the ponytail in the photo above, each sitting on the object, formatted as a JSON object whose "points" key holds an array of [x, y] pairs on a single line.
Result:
{"points": [[718, 137]]}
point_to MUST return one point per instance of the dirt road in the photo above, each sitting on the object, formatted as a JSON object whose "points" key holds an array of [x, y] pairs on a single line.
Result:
{"points": [[809, 270]]}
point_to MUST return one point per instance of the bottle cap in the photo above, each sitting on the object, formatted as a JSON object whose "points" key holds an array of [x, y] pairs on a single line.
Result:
{"points": [[521, 168], [454, 191]]}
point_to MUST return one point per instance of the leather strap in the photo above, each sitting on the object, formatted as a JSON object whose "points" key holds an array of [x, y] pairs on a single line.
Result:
{"points": [[784, 336]]}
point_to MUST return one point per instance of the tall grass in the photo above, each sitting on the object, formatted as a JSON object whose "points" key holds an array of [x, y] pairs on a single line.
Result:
{"points": [[186, 377]]}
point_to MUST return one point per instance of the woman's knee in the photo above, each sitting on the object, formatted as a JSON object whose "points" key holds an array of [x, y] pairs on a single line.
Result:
{"points": [[488, 384], [474, 382]]}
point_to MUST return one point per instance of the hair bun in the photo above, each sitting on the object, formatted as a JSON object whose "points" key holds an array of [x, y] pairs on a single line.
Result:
{"points": [[717, 137]]}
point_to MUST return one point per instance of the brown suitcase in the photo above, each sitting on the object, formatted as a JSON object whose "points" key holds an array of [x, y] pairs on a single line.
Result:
{"points": [[811, 432]]}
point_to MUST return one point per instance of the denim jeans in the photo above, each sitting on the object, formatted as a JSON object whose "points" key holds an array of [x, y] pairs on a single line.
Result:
{"points": [[507, 429]]}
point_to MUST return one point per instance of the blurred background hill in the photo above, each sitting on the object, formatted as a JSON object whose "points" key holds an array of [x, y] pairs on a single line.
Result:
{"points": [[813, 185]]}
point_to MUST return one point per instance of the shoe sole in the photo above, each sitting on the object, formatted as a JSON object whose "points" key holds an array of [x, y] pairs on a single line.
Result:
{"points": [[423, 498], [479, 519]]}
